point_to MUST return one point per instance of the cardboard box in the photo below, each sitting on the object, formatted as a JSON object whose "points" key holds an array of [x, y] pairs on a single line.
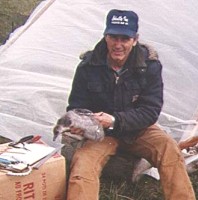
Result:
{"points": [[46, 183]]}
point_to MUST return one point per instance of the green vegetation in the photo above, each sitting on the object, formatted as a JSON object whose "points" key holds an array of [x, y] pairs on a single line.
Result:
{"points": [[147, 188], [14, 13]]}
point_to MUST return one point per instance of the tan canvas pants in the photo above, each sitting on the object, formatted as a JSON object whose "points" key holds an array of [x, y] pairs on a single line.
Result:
{"points": [[154, 145]]}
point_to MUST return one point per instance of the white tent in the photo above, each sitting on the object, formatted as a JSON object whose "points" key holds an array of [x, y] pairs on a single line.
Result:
{"points": [[38, 61]]}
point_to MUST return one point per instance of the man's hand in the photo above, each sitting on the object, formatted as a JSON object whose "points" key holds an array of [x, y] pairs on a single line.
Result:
{"points": [[76, 131], [79, 123], [105, 119]]}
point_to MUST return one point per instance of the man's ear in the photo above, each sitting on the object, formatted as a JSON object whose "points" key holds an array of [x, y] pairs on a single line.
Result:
{"points": [[105, 37], [136, 39]]}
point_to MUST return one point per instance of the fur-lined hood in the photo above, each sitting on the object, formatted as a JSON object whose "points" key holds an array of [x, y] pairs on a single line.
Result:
{"points": [[140, 54]]}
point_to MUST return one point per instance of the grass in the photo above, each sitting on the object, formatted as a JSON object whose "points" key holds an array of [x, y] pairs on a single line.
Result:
{"points": [[14, 13], [145, 189]]}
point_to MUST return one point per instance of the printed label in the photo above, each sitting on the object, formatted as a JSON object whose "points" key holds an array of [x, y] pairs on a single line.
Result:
{"points": [[120, 20]]}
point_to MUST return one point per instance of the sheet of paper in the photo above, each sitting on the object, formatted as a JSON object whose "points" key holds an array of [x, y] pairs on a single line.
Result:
{"points": [[30, 155]]}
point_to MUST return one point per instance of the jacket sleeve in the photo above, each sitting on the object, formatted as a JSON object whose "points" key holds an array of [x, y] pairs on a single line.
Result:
{"points": [[148, 105], [79, 95]]}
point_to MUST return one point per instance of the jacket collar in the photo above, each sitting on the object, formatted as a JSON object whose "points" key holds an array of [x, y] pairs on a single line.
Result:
{"points": [[137, 59]]}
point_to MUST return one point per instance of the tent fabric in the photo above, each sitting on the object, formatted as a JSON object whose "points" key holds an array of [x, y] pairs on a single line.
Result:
{"points": [[38, 61]]}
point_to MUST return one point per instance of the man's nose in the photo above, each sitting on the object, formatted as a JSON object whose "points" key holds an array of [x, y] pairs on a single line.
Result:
{"points": [[118, 42]]}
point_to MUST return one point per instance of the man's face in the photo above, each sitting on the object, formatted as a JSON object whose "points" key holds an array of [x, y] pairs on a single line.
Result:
{"points": [[119, 47]]}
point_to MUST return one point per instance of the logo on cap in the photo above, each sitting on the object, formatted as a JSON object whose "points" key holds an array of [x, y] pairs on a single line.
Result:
{"points": [[120, 20]]}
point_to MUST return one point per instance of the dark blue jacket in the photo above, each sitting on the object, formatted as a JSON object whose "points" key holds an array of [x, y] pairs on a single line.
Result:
{"points": [[135, 99]]}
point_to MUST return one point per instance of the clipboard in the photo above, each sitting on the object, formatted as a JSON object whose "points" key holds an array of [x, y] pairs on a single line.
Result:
{"points": [[28, 156]]}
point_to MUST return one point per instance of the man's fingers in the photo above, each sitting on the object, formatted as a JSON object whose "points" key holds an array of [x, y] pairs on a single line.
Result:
{"points": [[76, 131], [104, 119]]}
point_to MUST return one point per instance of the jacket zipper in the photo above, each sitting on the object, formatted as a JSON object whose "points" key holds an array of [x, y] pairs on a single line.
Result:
{"points": [[117, 76]]}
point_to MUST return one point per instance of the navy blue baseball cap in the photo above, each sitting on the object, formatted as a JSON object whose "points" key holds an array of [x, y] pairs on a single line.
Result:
{"points": [[121, 22]]}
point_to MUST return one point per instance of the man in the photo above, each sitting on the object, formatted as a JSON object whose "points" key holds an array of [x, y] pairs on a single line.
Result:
{"points": [[120, 82]]}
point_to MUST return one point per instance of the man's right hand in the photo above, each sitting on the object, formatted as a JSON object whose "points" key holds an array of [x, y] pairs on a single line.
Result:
{"points": [[76, 131]]}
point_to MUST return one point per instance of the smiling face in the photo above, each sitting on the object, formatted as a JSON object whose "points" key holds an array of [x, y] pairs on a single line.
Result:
{"points": [[119, 48]]}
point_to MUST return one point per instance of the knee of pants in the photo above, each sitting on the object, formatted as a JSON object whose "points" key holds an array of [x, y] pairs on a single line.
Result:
{"points": [[82, 167], [169, 152], [89, 160]]}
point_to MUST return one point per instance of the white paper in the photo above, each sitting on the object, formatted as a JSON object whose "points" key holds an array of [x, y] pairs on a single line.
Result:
{"points": [[36, 152]]}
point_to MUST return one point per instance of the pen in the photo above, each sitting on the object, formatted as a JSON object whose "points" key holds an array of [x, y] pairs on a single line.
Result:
{"points": [[15, 152], [34, 139], [7, 162], [22, 140]]}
